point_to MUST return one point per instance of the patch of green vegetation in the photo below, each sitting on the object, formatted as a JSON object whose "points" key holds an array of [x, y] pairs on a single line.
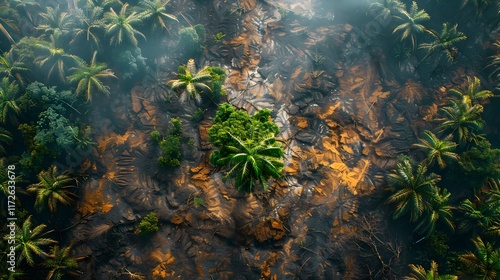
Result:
{"points": [[229, 120], [148, 224], [169, 144], [247, 147], [218, 37]]}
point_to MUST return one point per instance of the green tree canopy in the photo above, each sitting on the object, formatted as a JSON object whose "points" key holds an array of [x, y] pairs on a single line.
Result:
{"points": [[229, 120]]}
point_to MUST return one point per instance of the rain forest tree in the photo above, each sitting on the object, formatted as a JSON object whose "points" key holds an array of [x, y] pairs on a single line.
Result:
{"points": [[11, 68], [170, 144], [52, 188], [9, 99], [439, 211], [191, 40], [55, 22], [387, 8], [484, 263], [420, 273], [88, 78], [481, 216], [29, 241], [88, 28], [443, 44], [120, 27], [473, 93], [8, 23], [250, 163], [190, 83], [60, 263], [247, 146], [154, 13], [411, 189], [411, 23], [437, 150], [480, 163], [463, 121], [54, 59]]}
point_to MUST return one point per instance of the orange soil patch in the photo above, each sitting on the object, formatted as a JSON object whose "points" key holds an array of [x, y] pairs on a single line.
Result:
{"points": [[94, 201]]}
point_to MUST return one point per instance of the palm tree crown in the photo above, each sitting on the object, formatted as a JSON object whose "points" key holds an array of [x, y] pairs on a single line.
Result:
{"points": [[29, 240], [411, 23], [251, 162], [481, 216], [55, 22], [155, 10], [189, 81], [437, 149], [444, 41], [52, 188], [419, 273], [60, 263], [55, 58], [473, 92], [439, 211], [463, 121], [485, 263], [411, 189], [9, 109], [90, 22], [387, 8], [89, 78], [11, 68], [120, 27]]}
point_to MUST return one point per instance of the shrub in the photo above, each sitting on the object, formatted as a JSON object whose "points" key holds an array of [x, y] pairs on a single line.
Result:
{"points": [[170, 144], [148, 224]]}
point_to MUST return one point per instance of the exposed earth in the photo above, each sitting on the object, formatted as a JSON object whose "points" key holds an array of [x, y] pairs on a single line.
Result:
{"points": [[343, 121]]}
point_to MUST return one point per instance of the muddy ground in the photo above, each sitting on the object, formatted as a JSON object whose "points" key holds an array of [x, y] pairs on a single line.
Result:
{"points": [[342, 124]]}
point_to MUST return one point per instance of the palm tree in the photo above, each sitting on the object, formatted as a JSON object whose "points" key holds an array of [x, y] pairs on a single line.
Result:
{"points": [[485, 263], [411, 189], [473, 91], [52, 188], [439, 210], [60, 263], [481, 216], [55, 22], [6, 22], [11, 68], [419, 273], [55, 58], [250, 162], [89, 24], [89, 78], [156, 12], [463, 121], [387, 8], [437, 149], [29, 241], [9, 109], [411, 23], [5, 139], [120, 27], [443, 42], [190, 81]]}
